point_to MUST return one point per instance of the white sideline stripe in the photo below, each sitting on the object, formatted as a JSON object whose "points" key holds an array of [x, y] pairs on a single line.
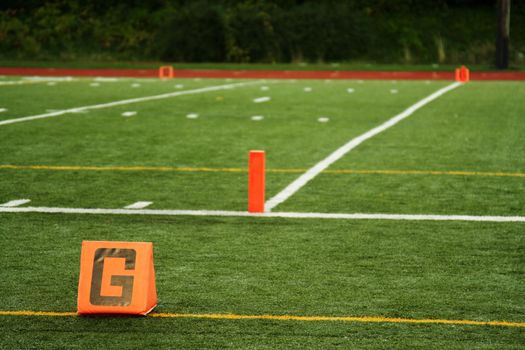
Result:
{"points": [[354, 216], [15, 203], [129, 101], [138, 205], [340, 152]]}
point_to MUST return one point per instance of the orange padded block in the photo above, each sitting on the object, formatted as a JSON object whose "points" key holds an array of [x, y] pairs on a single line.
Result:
{"points": [[116, 278]]}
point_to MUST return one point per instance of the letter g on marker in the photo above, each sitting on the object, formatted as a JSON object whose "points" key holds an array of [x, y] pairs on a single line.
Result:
{"points": [[116, 278], [126, 282]]}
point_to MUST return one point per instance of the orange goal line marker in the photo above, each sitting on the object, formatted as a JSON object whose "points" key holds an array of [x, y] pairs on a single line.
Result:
{"points": [[362, 319], [256, 181]]}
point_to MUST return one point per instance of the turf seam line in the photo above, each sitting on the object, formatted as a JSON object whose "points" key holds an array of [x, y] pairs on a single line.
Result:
{"points": [[129, 101], [276, 171], [363, 319], [302, 180], [290, 215]]}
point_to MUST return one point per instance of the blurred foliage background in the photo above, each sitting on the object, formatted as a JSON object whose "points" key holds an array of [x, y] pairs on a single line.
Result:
{"points": [[380, 31]]}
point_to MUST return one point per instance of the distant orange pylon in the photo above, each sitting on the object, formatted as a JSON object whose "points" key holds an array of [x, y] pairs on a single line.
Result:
{"points": [[166, 72], [462, 74]]}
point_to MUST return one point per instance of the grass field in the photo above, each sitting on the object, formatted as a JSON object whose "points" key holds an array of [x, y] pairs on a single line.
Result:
{"points": [[460, 154]]}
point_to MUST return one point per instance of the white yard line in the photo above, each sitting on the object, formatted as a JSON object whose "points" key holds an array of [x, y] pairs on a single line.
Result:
{"points": [[340, 152], [12, 82], [46, 79], [36, 80], [15, 203], [129, 101], [262, 99], [138, 205], [129, 114], [20, 82], [354, 216]]}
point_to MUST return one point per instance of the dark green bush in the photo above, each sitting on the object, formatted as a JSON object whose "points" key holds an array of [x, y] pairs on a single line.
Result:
{"points": [[194, 33], [409, 31]]}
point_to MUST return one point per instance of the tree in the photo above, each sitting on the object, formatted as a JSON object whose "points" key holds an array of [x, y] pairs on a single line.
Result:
{"points": [[502, 38]]}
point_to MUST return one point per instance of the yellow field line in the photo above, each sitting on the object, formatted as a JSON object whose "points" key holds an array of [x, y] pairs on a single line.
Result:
{"points": [[120, 168], [365, 319], [242, 170], [424, 172]]}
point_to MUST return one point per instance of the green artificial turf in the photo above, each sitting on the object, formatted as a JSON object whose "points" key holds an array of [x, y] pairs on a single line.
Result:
{"points": [[476, 128], [255, 266], [274, 266], [161, 135]]}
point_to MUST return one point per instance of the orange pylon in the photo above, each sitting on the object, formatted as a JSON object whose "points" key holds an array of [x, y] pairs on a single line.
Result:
{"points": [[462, 74], [166, 72], [256, 182]]}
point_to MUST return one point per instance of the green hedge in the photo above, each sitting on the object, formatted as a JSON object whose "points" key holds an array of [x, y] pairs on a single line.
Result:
{"points": [[399, 31]]}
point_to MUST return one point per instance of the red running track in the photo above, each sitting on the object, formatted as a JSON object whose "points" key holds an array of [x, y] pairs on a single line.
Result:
{"points": [[257, 74]]}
